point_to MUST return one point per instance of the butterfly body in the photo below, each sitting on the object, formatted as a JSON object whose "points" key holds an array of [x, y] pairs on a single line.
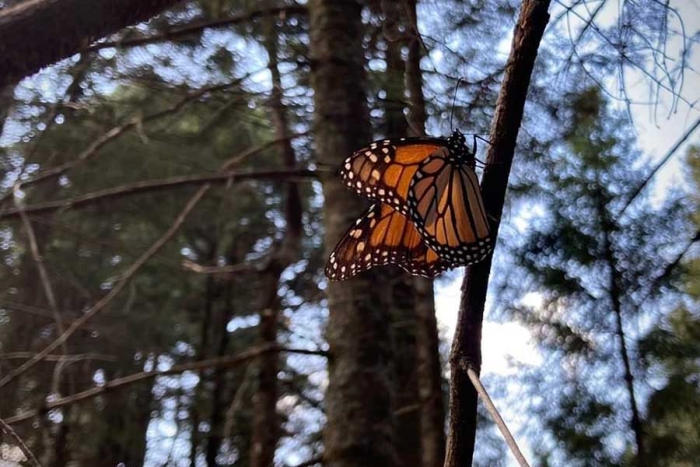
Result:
{"points": [[428, 214]]}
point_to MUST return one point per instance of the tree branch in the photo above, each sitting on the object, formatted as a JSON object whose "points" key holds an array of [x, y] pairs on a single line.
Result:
{"points": [[220, 362], [123, 281], [7, 429], [38, 33], [191, 29], [466, 347], [147, 186]]}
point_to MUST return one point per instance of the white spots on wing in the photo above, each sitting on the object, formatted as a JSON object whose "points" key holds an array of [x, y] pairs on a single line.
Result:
{"points": [[372, 157], [375, 174], [387, 159], [360, 247], [351, 175], [381, 192]]}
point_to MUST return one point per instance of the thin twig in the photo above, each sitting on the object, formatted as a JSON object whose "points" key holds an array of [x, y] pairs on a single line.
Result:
{"points": [[228, 361], [660, 164], [58, 358], [101, 304], [7, 429], [192, 29], [503, 428], [147, 186], [39, 261]]}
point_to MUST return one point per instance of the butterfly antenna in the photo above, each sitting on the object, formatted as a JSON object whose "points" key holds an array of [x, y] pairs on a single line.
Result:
{"points": [[454, 102]]}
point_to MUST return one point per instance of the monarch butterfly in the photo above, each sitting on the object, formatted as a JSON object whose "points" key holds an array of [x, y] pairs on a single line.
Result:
{"points": [[433, 194], [382, 236]]}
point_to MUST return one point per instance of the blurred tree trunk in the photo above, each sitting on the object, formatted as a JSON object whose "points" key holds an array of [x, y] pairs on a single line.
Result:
{"points": [[219, 399], [61, 28], [403, 306], [359, 428], [266, 423], [429, 366]]}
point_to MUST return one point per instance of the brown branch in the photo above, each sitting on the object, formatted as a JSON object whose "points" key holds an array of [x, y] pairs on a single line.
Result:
{"points": [[7, 429], [123, 281], [38, 33], [147, 186], [135, 123], [220, 362], [39, 261], [192, 29], [466, 347], [58, 358]]}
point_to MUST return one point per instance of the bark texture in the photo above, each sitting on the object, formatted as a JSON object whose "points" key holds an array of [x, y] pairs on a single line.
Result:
{"points": [[466, 347], [61, 28], [359, 429]]}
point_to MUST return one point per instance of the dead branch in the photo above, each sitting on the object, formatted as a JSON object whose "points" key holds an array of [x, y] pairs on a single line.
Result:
{"points": [[59, 358], [118, 287], [220, 362], [147, 186], [7, 429], [192, 29], [135, 123]]}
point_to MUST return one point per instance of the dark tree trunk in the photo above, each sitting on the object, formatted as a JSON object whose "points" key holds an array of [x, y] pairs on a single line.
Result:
{"points": [[359, 429], [466, 347], [266, 423], [429, 366]]}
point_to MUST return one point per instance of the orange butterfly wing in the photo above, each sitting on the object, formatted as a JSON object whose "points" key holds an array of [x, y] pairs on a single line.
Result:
{"points": [[382, 236], [446, 207], [383, 170]]}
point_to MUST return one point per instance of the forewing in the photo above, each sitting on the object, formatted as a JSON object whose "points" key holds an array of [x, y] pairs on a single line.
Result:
{"points": [[383, 170]]}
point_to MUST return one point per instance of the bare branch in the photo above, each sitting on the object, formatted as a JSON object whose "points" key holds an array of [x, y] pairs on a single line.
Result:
{"points": [[39, 261], [118, 287], [660, 164], [93, 149], [59, 358], [220, 362], [7, 429], [157, 185], [192, 29]]}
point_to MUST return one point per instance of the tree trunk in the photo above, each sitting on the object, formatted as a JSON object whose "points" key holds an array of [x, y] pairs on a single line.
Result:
{"points": [[429, 366], [61, 28], [359, 429], [466, 347], [266, 423]]}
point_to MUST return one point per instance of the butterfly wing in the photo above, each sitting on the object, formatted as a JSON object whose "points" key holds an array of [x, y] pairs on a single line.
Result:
{"points": [[446, 207], [383, 170], [382, 236]]}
